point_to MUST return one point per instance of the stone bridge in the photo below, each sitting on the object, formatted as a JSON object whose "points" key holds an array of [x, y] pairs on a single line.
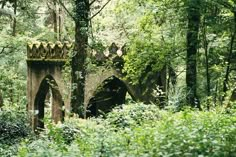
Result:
{"points": [[105, 87]]}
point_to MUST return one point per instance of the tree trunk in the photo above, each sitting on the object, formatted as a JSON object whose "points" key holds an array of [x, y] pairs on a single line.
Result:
{"points": [[192, 46], [55, 19], [60, 24], [1, 100], [226, 80], [3, 4], [79, 56], [14, 20], [205, 43]]}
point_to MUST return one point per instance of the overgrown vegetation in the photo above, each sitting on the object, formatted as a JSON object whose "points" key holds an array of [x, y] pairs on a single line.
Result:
{"points": [[14, 126], [140, 130], [190, 44]]}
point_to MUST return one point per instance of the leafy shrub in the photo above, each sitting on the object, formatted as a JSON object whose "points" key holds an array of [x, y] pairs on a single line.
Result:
{"points": [[133, 114], [159, 133], [8, 150], [61, 133], [14, 127]]}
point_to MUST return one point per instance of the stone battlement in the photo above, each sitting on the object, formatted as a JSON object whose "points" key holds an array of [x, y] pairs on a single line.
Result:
{"points": [[113, 52], [42, 51]]}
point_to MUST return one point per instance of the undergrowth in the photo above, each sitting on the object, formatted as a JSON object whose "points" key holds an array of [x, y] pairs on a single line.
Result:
{"points": [[14, 126], [139, 130]]}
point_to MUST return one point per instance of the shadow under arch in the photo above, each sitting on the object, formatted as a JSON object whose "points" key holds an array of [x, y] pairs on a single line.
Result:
{"points": [[111, 93], [57, 102]]}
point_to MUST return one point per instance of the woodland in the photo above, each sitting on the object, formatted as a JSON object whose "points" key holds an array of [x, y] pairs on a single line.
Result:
{"points": [[179, 56]]}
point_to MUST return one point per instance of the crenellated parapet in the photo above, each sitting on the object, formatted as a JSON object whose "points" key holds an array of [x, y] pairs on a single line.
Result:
{"points": [[48, 51], [113, 53]]}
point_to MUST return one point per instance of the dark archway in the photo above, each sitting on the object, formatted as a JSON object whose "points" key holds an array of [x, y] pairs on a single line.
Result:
{"points": [[110, 93], [57, 102]]}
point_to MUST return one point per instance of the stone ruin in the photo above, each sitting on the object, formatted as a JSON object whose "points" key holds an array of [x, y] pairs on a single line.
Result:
{"points": [[105, 88], [45, 62]]}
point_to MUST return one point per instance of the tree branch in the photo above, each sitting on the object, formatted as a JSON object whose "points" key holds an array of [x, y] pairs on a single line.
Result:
{"points": [[3, 49], [48, 7], [68, 12], [92, 2], [100, 9], [125, 31]]}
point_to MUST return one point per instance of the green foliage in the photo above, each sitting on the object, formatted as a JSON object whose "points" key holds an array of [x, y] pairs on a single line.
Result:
{"points": [[61, 133], [143, 60], [13, 69], [144, 131], [132, 115], [176, 99], [14, 126], [155, 34], [155, 38]]}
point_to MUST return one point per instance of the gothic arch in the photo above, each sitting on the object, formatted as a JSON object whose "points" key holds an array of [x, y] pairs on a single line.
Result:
{"points": [[57, 101], [45, 63], [109, 94]]}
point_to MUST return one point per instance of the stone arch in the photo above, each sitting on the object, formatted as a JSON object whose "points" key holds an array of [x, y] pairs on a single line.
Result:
{"points": [[39, 102], [45, 62], [109, 94]]}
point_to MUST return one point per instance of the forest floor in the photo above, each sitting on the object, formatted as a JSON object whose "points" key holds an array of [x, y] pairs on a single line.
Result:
{"points": [[133, 130]]}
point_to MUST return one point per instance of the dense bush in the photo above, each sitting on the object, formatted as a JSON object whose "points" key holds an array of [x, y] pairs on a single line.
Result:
{"points": [[156, 133], [14, 127], [61, 133], [134, 114]]}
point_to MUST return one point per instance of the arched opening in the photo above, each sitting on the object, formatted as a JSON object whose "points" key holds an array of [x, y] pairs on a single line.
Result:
{"points": [[111, 93], [48, 88]]}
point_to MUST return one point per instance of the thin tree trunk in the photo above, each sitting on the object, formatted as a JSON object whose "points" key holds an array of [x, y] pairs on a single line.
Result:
{"points": [[205, 43], [55, 19], [79, 57], [1, 99], [3, 4], [60, 24], [216, 93], [226, 80], [11, 94], [14, 20], [192, 46]]}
